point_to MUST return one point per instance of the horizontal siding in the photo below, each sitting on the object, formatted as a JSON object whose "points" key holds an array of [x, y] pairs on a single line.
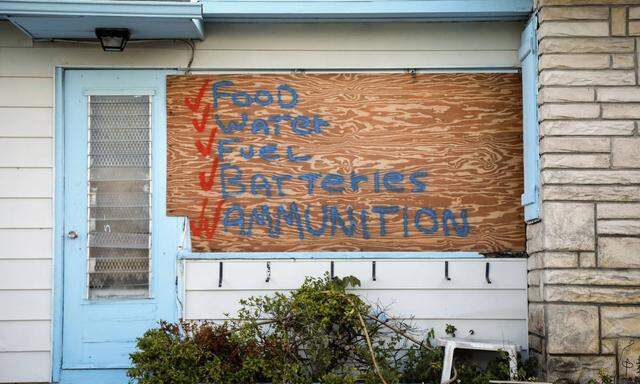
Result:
{"points": [[26, 213], [26, 122], [291, 46], [25, 274], [25, 336], [23, 367], [25, 304], [405, 288], [26, 182], [21, 243], [364, 36], [437, 304], [26, 152], [26, 91], [428, 274]]}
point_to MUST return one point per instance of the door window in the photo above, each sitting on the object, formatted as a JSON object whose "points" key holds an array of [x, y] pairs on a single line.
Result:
{"points": [[119, 197]]}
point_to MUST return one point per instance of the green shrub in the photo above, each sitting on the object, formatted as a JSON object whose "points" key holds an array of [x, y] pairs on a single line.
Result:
{"points": [[320, 333]]}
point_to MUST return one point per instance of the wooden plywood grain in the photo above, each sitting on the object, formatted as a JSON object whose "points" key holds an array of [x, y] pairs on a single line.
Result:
{"points": [[339, 162]]}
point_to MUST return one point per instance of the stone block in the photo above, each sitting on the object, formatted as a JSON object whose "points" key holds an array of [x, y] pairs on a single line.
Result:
{"points": [[619, 252], [569, 111], [574, 61], [619, 227], [620, 321], [562, 176], [591, 277], [591, 192], [534, 294], [563, 95], [536, 343], [575, 144], [634, 13], [618, 211], [533, 278], [574, 160], [586, 128], [629, 355], [592, 294], [621, 111], [625, 152], [535, 235], [634, 28], [578, 369], [559, 259], [580, 77], [609, 346], [619, 94], [586, 45], [572, 329], [618, 21], [622, 61], [573, 28], [536, 319], [568, 226], [573, 13], [587, 259]]}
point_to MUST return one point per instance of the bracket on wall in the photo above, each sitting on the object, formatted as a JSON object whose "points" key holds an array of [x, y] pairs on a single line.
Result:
{"points": [[220, 275], [331, 274], [486, 273], [373, 270], [268, 272], [446, 271]]}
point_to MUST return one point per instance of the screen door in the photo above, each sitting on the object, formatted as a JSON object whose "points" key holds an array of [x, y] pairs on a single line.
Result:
{"points": [[120, 248]]}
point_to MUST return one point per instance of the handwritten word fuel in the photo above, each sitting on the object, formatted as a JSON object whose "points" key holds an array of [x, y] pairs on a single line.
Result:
{"points": [[321, 219]]}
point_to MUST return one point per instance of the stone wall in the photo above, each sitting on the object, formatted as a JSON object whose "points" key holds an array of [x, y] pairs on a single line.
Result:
{"points": [[584, 279]]}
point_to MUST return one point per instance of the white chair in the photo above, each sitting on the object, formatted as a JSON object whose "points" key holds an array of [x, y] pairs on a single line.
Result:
{"points": [[450, 344]]}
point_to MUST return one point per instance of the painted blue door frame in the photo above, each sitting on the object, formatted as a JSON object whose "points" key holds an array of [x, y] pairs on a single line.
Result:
{"points": [[93, 338]]}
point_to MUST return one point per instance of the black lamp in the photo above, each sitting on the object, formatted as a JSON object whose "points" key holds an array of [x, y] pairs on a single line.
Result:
{"points": [[113, 39]]}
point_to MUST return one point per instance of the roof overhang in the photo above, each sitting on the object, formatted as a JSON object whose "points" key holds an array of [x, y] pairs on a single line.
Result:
{"points": [[367, 10], [78, 19]]}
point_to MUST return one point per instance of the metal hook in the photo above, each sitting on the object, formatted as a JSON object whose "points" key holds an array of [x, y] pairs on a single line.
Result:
{"points": [[446, 270], [220, 275], [373, 270], [486, 273], [331, 272], [268, 272]]}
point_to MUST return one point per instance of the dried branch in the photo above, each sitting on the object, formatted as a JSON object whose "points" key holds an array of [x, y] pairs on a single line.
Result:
{"points": [[366, 336]]}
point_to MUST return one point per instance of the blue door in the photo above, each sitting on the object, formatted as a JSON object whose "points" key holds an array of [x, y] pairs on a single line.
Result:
{"points": [[120, 248]]}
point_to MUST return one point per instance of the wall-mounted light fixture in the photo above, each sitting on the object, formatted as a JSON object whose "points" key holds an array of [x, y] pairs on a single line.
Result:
{"points": [[113, 39]]}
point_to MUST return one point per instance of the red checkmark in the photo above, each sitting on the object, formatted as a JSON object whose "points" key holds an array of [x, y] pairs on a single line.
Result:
{"points": [[201, 124], [203, 225], [207, 183], [206, 150], [195, 106]]}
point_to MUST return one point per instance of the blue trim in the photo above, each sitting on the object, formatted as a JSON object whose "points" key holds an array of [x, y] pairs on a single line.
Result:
{"points": [[58, 260], [103, 8], [77, 19], [528, 55], [461, 10], [327, 255]]}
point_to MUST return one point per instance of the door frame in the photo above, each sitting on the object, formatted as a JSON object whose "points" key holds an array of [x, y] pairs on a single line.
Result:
{"points": [[57, 307]]}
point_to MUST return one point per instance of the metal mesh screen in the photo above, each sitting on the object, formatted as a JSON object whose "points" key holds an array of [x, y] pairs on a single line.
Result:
{"points": [[119, 191]]}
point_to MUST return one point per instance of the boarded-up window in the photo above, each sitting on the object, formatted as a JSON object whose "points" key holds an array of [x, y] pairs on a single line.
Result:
{"points": [[347, 162]]}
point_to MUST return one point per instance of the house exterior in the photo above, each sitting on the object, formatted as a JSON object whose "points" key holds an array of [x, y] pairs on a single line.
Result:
{"points": [[90, 153]]}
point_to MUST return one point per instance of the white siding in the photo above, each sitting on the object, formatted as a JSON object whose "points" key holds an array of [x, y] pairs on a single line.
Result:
{"points": [[406, 288], [27, 140]]}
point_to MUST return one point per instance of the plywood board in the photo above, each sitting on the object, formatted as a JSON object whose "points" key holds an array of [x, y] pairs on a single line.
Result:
{"points": [[341, 162]]}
